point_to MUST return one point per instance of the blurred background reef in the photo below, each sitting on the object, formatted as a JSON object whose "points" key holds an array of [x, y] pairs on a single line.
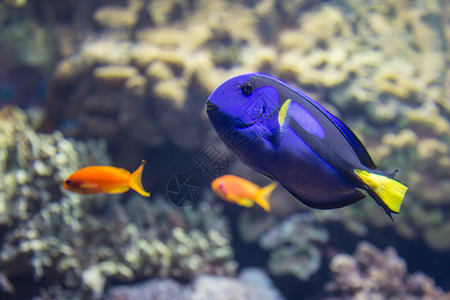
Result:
{"points": [[114, 82]]}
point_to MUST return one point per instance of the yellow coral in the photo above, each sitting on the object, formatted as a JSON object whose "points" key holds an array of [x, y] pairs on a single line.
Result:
{"points": [[107, 51], [160, 10], [394, 78], [428, 117], [115, 17], [380, 24], [136, 85], [326, 24], [114, 75], [143, 54], [171, 90], [158, 70], [166, 38], [404, 139], [258, 59], [431, 148]]}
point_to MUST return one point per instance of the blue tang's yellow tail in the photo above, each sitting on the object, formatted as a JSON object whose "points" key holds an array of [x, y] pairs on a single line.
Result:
{"points": [[390, 191]]}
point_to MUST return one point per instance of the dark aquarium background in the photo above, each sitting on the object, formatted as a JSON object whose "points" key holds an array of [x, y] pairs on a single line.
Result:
{"points": [[95, 82]]}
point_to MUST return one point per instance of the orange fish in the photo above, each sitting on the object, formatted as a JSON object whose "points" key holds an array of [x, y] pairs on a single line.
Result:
{"points": [[243, 192], [101, 179]]}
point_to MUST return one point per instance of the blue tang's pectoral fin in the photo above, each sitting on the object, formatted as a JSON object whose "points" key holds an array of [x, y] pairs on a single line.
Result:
{"points": [[277, 122], [327, 200]]}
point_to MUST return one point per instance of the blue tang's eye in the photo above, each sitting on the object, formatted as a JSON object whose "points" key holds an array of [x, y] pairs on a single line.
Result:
{"points": [[247, 88]]}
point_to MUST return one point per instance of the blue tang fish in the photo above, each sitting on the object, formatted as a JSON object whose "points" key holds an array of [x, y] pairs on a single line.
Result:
{"points": [[282, 133]]}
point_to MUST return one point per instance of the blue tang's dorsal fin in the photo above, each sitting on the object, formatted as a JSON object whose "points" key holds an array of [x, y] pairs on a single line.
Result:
{"points": [[353, 140], [356, 144]]}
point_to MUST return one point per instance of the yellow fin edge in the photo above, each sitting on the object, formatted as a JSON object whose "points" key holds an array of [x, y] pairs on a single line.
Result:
{"points": [[263, 195], [118, 190], [244, 202], [390, 191], [135, 181]]}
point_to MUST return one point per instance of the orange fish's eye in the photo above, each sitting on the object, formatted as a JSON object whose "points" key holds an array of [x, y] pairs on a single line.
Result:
{"points": [[222, 187], [67, 182]]}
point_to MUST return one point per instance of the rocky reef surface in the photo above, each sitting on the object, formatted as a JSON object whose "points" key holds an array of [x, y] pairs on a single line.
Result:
{"points": [[250, 284]]}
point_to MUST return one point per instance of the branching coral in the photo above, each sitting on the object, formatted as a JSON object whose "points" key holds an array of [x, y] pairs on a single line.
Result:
{"points": [[93, 244], [33, 165], [88, 240], [160, 79], [293, 243], [381, 65], [375, 274]]}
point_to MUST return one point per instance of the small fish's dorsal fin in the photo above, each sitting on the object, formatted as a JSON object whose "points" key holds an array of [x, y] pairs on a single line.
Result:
{"points": [[263, 195], [122, 171], [135, 181]]}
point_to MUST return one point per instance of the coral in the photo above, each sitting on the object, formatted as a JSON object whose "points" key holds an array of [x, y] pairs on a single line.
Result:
{"points": [[16, 3], [122, 242], [139, 81], [383, 67], [292, 246], [26, 39], [151, 290], [137, 72], [159, 77], [317, 54], [32, 165], [114, 75], [293, 243], [374, 274], [251, 284], [115, 17], [404, 93], [89, 240], [151, 245]]}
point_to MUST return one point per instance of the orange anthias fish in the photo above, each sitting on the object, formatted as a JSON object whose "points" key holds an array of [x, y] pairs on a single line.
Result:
{"points": [[101, 179], [243, 192]]}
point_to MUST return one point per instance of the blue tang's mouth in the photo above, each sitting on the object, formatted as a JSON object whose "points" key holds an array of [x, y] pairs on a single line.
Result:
{"points": [[210, 106]]}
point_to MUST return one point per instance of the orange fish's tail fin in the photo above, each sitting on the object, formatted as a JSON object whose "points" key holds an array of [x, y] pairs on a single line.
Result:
{"points": [[135, 181], [263, 195], [388, 192]]}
